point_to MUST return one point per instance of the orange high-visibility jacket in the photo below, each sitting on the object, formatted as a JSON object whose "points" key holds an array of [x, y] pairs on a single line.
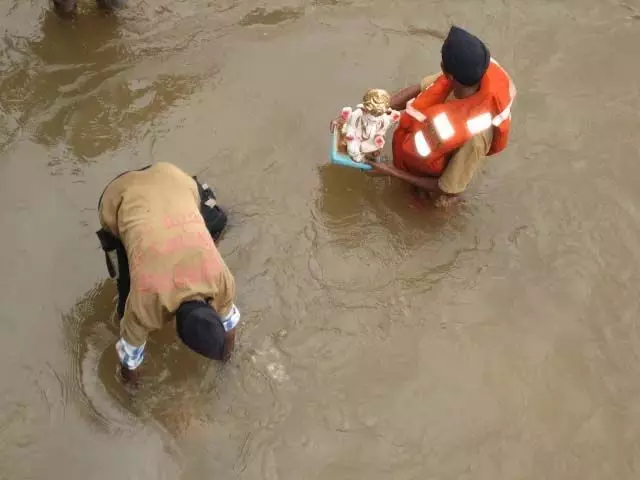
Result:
{"points": [[430, 130]]}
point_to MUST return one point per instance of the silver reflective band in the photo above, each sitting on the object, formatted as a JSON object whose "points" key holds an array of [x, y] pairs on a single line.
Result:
{"points": [[232, 319], [498, 119], [480, 123], [413, 112], [443, 126], [422, 147], [506, 113], [130, 356]]}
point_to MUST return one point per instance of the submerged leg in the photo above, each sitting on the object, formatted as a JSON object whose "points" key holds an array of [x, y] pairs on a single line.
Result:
{"points": [[65, 7], [110, 4]]}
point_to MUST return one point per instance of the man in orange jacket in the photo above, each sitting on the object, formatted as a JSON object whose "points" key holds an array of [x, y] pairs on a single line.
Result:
{"points": [[452, 121]]}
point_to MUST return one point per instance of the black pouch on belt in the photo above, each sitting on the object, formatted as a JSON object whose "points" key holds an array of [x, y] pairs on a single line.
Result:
{"points": [[110, 244], [214, 217]]}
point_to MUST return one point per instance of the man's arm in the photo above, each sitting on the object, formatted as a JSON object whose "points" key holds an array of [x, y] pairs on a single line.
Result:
{"points": [[230, 322], [429, 184], [229, 344], [400, 98], [131, 346], [462, 167], [131, 358]]}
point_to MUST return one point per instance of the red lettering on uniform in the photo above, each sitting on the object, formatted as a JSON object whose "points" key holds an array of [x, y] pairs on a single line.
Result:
{"points": [[164, 282], [184, 219], [143, 282]]}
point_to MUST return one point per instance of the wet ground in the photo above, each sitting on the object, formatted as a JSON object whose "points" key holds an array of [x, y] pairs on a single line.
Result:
{"points": [[380, 338]]}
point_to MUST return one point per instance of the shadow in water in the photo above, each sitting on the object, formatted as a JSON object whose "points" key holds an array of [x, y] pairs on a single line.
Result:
{"points": [[82, 89], [354, 207], [175, 387], [376, 237]]}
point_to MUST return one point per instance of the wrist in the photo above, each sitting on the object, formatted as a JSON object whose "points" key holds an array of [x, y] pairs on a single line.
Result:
{"points": [[232, 319], [129, 376], [229, 344]]}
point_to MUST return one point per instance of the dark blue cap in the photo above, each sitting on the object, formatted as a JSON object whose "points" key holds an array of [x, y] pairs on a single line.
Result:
{"points": [[200, 328], [465, 56]]}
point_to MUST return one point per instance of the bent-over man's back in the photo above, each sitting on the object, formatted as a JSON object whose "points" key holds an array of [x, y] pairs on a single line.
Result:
{"points": [[172, 257]]}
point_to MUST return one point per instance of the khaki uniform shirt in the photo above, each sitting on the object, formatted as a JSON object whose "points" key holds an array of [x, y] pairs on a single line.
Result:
{"points": [[467, 160], [172, 257]]}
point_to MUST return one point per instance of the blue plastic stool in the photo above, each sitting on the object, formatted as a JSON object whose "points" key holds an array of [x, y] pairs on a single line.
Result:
{"points": [[338, 158]]}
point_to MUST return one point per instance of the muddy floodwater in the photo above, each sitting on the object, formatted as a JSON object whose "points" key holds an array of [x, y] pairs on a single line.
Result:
{"points": [[380, 338]]}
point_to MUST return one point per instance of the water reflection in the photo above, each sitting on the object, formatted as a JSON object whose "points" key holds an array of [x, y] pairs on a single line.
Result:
{"points": [[355, 206], [380, 239], [84, 91], [175, 383], [261, 16]]}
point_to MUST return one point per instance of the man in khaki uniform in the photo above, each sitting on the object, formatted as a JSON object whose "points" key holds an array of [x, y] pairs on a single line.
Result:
{"points": [[158, 230], [463, 55]]}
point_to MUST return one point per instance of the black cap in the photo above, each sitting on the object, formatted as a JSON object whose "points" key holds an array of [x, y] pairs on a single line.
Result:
{"points": [[464, 56], [200, 328]]}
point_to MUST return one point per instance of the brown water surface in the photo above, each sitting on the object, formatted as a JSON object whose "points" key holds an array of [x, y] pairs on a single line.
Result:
{"points": [[380, 339]]}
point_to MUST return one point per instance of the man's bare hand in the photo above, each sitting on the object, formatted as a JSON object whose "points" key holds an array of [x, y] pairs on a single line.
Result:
{"points": [[229, 344], [130, 377]]}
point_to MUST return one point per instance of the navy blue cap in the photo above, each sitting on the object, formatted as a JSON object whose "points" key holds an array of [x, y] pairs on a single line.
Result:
{"points": [[200, 328], [465, 56]]}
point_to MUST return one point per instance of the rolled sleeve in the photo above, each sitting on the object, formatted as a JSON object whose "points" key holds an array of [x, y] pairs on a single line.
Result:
{"points": [[464, 164], [130, 355], [133, 338], [231, 320]]}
